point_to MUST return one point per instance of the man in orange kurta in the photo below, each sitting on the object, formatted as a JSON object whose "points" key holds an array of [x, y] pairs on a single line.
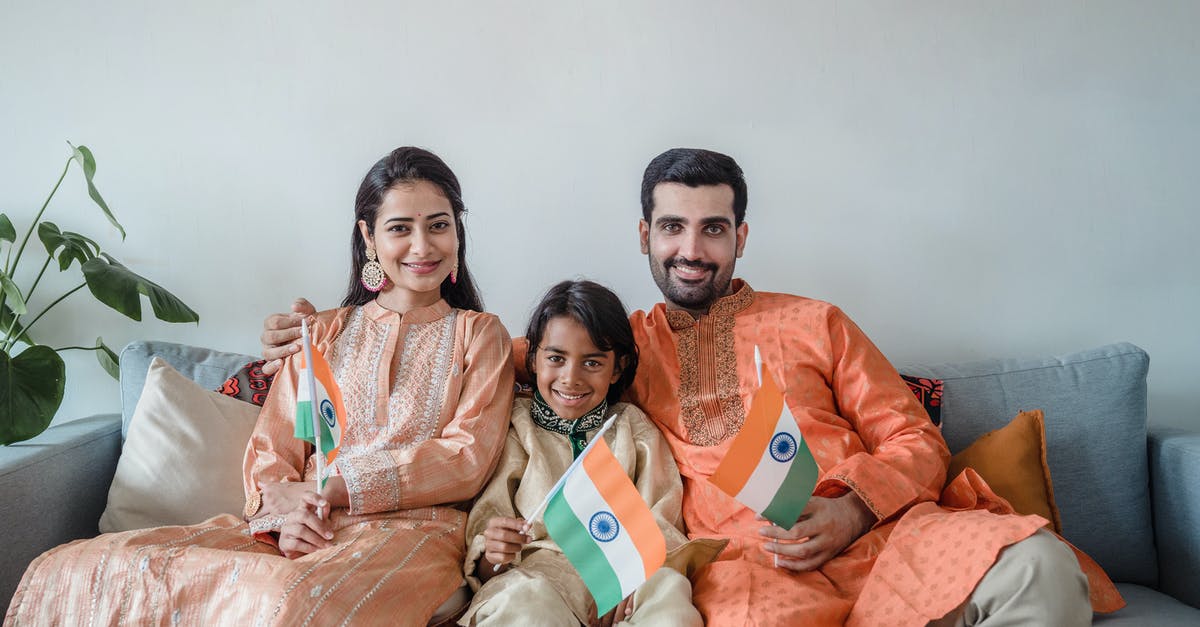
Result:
{"points": [[881, 542]]}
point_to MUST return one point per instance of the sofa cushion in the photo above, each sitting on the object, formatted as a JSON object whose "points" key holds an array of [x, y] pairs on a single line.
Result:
{"points": [[1145, 606], [182, 459], [1095, 412], [1012, 460], [207, 367]]}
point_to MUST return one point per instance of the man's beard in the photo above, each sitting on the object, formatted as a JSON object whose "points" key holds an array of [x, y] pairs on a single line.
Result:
{"points": [[698, 297]]}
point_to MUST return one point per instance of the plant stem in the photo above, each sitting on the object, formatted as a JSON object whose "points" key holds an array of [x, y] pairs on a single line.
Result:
{"points": [[12, 341], [10, 270], [38, 218], [38, 279]]}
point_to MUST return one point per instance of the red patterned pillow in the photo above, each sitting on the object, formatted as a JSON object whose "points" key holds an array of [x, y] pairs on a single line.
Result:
{"points": [[248, 384], [929, 392]]}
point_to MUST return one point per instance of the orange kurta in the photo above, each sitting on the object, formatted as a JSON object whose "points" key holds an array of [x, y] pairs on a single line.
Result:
{"points": [[868, 434], [427, 397]]}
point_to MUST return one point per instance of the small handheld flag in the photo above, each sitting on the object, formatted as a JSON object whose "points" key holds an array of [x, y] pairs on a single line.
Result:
{"points": [[603, 525], [320, 413], [769, 466]]}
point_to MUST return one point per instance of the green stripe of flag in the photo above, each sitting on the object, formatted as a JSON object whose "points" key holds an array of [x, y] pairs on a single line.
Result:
{"points": [[581, 550], [796, 488], [304, 426]]}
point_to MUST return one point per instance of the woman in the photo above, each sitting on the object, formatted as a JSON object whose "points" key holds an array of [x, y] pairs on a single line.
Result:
{"points": [[427, 385]]}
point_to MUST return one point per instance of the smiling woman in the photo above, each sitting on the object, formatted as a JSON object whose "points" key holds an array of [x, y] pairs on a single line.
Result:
{"points": [[427, 387]]}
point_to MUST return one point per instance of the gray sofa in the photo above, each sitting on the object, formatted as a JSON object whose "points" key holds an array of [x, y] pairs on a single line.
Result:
{"points": [[1129, 497]]}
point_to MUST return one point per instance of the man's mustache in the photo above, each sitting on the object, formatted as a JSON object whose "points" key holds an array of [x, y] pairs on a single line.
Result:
{"points": [[678, 261]]}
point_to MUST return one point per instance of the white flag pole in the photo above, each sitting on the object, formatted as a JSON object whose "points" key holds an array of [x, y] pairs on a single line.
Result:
{"points": [[758, 367], [311, 382]]}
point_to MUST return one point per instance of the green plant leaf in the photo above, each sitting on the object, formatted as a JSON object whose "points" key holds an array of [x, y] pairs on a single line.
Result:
{"points": [[14, 300], [75, 247], [6, 316], [31, 390], [8, 233], [118, 287], [88, 162], [108, 359]]}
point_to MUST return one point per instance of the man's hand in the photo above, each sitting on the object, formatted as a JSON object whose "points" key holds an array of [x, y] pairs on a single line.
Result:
{"points": [[502, 540], [281, 334], [306, 528], [824, 530]]}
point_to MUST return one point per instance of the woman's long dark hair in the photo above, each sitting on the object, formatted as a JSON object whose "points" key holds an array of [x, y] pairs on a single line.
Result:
{"points": [[601, 312], [407, 165]]}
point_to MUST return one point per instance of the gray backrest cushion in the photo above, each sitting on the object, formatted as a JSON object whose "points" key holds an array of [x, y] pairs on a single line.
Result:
{"points": [[1095, 404], [207, 367]]}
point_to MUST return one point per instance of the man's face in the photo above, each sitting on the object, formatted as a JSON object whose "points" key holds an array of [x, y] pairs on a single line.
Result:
{"points": [[692, 244]]}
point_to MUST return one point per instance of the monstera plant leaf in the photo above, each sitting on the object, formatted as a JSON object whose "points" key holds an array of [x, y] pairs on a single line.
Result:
{"points": [[31, 389], [6, 319], [12, 291], [88, 163], [108, 359], [119, 287], [8, 233], [75, 247]]}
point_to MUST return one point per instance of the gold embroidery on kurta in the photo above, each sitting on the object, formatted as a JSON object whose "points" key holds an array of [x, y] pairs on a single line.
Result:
{"points": [[709, 399]]}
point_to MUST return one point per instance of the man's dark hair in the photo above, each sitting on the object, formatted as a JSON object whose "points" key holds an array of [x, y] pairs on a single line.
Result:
{"points": [[694, 167], [601, 312]]}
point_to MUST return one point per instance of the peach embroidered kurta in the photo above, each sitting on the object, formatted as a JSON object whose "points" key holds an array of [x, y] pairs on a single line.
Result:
{"points": [[868, 434], [428, 397]]}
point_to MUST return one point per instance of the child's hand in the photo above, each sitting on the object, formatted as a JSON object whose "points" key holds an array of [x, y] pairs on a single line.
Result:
{"points": [[622, 612], [503, 539]]}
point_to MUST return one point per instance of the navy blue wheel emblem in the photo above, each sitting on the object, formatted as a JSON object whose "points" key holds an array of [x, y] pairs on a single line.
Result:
{"points": [[328, 414], [783, 446], [603, 526]]}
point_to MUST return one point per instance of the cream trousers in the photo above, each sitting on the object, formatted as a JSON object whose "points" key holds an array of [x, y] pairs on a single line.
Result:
{"points": [[1036, 581]]}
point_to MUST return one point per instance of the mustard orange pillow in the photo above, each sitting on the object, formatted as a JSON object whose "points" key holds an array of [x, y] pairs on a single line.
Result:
{"points": [[1012, 460]]}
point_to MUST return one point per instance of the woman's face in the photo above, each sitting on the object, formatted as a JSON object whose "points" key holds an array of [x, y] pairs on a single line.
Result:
{"points": [[416, 243], [572, 374]]}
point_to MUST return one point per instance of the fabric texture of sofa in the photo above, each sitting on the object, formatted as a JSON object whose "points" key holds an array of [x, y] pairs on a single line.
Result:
{"points": [[1128, 495]]}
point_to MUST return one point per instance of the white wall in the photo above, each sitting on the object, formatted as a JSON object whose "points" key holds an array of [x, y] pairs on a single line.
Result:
{"points": [[966, 179]]}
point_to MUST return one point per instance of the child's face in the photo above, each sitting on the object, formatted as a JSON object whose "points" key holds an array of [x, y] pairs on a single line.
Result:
{"points": [[572, 374]]}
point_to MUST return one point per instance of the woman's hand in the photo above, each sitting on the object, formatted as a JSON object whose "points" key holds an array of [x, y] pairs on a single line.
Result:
{"points": [[281, 334], [283, 498], [502, 540], [306, 528]]}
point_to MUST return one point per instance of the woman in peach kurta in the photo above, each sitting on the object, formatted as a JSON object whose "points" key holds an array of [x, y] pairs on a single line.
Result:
{"points": [[427, 389], [928, 548]]}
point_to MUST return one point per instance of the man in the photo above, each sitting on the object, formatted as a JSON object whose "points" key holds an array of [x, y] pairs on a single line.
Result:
{"points": [[879, 542]]}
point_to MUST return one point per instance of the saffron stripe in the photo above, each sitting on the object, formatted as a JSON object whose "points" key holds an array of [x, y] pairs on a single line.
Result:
{"points": [[745, 452], [576, 543], [627, 505]]}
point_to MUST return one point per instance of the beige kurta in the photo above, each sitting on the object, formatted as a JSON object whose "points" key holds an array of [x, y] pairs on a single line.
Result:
{"points": [[428, 396], [533, 460]]}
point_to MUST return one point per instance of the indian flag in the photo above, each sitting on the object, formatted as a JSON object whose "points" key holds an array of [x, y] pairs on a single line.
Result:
{"points": [[318, 390], [769, 466], [603, 526]]}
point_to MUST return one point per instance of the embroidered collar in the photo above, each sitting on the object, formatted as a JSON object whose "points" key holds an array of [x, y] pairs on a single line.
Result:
{"points": [[436, 311], [545, 418], [740, 299]]}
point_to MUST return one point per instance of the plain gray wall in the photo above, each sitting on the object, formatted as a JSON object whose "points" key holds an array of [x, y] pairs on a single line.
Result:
{"points": [[965, 179]]}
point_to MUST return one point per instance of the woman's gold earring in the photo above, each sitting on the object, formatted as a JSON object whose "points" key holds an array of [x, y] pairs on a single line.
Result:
{"points": [[372, 276]]}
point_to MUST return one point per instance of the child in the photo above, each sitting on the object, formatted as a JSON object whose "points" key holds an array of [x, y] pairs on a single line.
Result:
{"points": [[582, 357]]}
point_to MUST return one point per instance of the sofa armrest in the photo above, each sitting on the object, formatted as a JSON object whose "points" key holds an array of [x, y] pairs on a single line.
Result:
{"points": [[53, 489], [1175, 489]]}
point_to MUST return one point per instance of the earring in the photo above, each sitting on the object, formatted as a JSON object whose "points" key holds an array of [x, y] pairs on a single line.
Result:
{"points": [[454, 273], [372, 276]]}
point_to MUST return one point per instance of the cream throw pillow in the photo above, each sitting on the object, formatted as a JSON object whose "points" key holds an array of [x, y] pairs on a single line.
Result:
{"points": [[182, 459]]}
